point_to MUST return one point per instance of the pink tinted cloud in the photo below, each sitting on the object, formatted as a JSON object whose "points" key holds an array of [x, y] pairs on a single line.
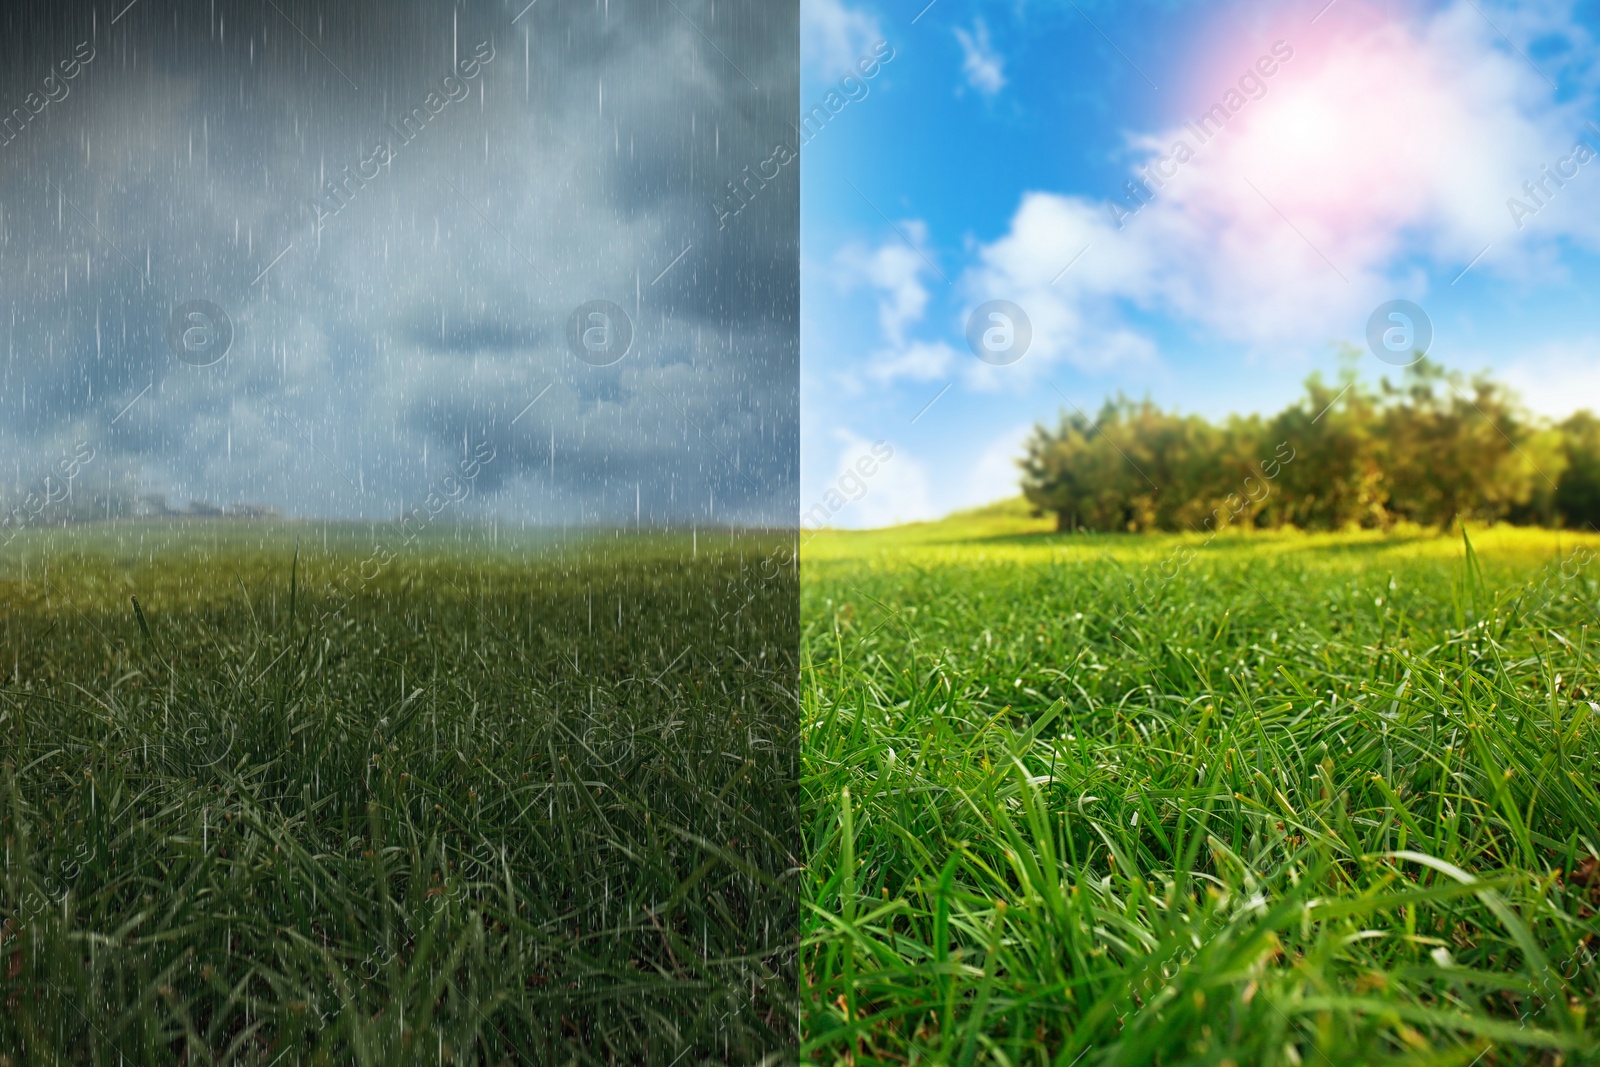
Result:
{"points": [[1376, 159]]}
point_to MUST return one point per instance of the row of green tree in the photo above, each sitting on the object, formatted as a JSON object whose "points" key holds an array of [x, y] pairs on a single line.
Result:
{"points": [[1430, 449]]}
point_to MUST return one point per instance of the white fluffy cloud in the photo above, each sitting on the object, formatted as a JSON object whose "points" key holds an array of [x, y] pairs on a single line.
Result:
{"points": [[894, 269], [980, 63], [919, 361], [895, 272], [1368, 163], [833, 36], [1074, 314], [896, 490]]}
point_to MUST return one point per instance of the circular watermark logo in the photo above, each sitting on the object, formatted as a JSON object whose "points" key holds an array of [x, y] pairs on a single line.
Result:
{"points": [[199, 333], [599, 333], [207, 743], [1399, 332], [999, 333]]}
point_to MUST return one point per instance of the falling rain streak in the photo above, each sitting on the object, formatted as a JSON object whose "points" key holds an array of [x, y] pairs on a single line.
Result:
{"points": [[386, 546]]}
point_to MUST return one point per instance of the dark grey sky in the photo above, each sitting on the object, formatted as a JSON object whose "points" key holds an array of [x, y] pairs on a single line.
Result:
{"points": [[496, 166]]}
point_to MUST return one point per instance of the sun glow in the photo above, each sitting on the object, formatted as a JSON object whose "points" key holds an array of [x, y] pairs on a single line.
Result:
{"points": [[1322, 132], [1300, 124]]}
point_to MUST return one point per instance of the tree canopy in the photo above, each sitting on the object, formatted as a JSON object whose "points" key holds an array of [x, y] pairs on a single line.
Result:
{"points": [[1432, 448]]}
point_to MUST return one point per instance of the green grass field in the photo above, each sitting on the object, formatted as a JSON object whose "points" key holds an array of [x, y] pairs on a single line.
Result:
{"points": [[1283, 799], [470, 799]]}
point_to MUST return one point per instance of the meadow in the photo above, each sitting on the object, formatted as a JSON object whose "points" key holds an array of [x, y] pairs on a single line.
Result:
{"points": [[1284, 798], [1062, 799], [297, 793]]}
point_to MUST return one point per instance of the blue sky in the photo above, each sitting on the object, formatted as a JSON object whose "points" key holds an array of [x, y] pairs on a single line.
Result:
{"points": [[1359, 153]]}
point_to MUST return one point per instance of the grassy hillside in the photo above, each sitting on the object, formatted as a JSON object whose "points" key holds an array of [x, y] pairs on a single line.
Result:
{"points": [[1279, 799], [1008, 518]]}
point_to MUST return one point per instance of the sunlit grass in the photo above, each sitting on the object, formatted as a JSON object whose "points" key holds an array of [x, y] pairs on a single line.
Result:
{"points": [[1312, 799]]}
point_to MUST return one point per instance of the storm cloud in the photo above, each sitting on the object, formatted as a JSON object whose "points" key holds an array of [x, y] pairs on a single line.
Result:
{"points": [[398, 206]]}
